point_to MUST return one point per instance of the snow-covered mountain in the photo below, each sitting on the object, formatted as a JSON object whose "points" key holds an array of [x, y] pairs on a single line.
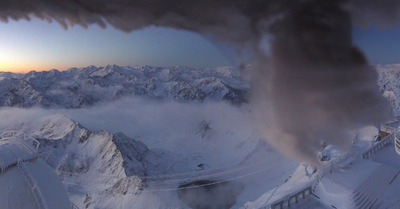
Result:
{"points": [[95, 164], [76, 88], [145, 168]]}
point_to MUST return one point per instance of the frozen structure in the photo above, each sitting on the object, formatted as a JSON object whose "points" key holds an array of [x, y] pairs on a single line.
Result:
{"points": [[397, 142], [26, 181], [365, 177]]}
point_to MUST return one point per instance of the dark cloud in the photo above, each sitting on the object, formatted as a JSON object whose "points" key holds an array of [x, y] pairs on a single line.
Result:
{"points": [[311, 84], [381, 14], [320, 86]]}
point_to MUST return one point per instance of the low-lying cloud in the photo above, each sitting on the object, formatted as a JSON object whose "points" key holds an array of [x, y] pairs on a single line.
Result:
{"points": [[142, 119]]}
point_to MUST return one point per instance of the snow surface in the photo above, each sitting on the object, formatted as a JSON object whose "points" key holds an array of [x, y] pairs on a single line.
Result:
{"points": [[345, 180], [48, 184], [28, 182], [13, 150]]}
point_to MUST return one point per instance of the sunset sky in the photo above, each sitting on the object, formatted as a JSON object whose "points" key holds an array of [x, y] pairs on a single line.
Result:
{"points": [[38, 45]]}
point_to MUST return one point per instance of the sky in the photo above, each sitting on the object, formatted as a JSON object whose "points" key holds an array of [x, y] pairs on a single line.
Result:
{"points": [[38, 45], [381, 46]]}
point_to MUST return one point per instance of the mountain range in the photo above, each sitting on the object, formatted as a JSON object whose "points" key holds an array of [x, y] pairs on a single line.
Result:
{"points": [[83, 87]]}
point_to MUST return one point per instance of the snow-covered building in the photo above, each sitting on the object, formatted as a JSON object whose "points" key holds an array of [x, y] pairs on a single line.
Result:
{"points": [[362, 184], [364, 177], [27, 182]]}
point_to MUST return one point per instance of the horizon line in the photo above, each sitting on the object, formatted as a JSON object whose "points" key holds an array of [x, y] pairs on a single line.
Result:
{"points": [[103, 66]]}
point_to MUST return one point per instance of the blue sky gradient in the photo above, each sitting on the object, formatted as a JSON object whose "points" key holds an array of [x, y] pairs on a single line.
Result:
{"points": [[380, 46], [38, 45]]}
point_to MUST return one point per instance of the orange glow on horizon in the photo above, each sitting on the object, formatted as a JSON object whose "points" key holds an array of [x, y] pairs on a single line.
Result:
{"points": [[21, 68], [17, 61]]}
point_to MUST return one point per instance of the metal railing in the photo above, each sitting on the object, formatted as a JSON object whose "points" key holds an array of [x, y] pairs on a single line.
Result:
{"points": [[32, 145], [387, 129], [19, 135], [378, 146], [397, 142], [30, 181], [276, 189], [25, 141], [290, 200], [73, 206]]}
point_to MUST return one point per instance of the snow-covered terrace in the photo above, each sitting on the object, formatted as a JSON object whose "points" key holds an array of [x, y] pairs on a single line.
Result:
{"points": [[364, 178], [15, 148], [28, 182]]}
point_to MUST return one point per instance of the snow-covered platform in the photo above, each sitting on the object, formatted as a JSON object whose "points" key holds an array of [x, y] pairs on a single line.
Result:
{"points": [[27, 182], [362, 184], [14, 150], [387, 156], [366, 177]]}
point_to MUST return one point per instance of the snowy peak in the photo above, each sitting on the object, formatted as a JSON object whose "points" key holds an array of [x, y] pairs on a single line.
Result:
{"points": [[109, 70], [107, 165], [77, 150], [56, 127]]}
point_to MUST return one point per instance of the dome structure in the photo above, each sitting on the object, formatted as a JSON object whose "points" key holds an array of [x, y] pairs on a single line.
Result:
{"points": [[26, 181]]}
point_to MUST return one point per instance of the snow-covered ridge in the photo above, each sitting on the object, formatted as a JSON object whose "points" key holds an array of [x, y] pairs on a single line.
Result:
{"points": [[76, 88], [99, 164]]}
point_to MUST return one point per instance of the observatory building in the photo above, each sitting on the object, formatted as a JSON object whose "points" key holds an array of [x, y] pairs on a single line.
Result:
{"points": [[26, 181]]}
